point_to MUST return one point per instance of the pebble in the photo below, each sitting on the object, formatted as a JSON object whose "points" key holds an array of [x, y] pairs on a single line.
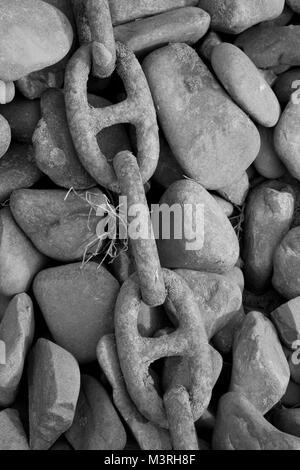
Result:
{"points": [[5, 133], [184, 25], [286, 276], [240, 426], [19, 260], [125, 12], [260, 370], [54, 383], [291, 398], [269, 205], [267, 162], [17, 170], [244, 83], [189, 99], [286, 137], [96, 424], [78, 305], [276, 47], [22, 115], [62, 225], [287, 321], [219, 251], [12, 434], [39, 35], [230, 16], [16, 331]]}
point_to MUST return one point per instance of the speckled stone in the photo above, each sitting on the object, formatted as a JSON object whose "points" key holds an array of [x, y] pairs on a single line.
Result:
{"points": [[62, 225], [269, 205], [276, 47], [287, 321], [231, 16], [96, 424], [16, 331], [22, 116], [12, 434], [54, 383], [260, 370], [220, 249], [19, 260], [17, 170], [78, 305], [286, 275], [240, 426]]}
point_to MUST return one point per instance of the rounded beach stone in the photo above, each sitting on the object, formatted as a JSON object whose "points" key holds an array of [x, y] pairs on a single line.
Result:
{"points": [[234, 16], [294, 4], [267, 47], [269, 205], [5, 133], [240, 426], [124, 11], [17, 170], [215, 249], [54, 384], [286, 275], [287, 420], [38, 34], [22, 116], [12, 434], [19, 260], [185, 25], [260, 370], [218, 298], [245, 84], [286, 318], [96, 424], [284, 88], [62, 225], [16, 331], [78, 305], [267, 162], [286, 137], [237, 191], [210, 136]]}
